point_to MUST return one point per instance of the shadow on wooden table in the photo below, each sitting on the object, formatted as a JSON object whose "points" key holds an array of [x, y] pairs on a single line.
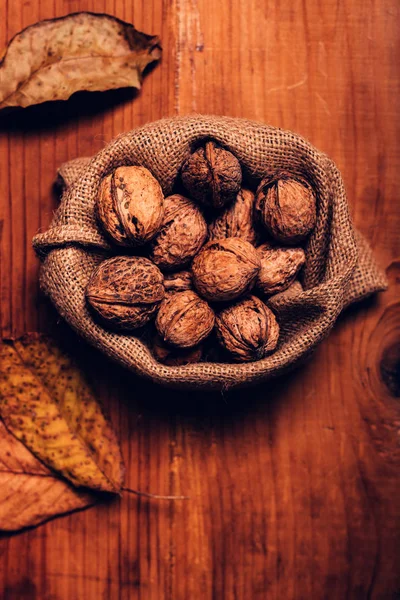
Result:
{"points": [[52, 116], [115, 384], [145, 397], [141, 396]]}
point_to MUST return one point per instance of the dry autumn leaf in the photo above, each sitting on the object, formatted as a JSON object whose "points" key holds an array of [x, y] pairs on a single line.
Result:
{"points": [[82, 51], [29, 492], [47, 404]]}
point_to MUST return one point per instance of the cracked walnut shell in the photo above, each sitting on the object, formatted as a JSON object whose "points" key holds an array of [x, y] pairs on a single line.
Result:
{"points": [[225, 269], [182, 234], [248, 329], [279, 267], [175, 357], [125, 291], [130, 206], [293, 291], [212, 175], [184, 319], [178, 282], [287, 208], [237, 220]]}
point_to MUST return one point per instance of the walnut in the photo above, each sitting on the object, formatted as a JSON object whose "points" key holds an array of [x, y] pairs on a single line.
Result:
{"points": [[174, 357], [279, 267], [125, 291], [237, 220], [212, 175], [248, 329], [130, 206], [287, 208], [293, 291], [225, 269], [178, 282], [184, 319], [182, 234]]}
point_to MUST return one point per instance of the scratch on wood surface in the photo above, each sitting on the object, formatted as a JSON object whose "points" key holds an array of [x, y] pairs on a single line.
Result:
{"points": [[298, 84], [289, 87], [321, 59], [189, 40], [324, 103], [199, 39]]}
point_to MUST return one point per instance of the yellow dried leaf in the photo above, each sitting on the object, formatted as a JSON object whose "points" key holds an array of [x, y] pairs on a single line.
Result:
{"points": [[47, 404], [29, 492], [82, 51]]}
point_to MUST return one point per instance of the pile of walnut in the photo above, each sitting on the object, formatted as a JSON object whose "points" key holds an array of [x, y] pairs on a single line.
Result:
{"points": [[208, 261]]}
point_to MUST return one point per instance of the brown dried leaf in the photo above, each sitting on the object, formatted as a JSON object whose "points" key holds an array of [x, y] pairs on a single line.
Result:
{"points": [[82, 51], [29, 492], [47, 404]]}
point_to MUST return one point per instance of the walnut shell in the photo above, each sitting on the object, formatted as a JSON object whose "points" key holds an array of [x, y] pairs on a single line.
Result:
{"points": [[182, 233], [184, 319], [130, 206], [292, 291], [125, 291], [175, 357], [287, 208], [106, 214], [225, 269], [279, 267], [248, 329], [237, 220], [178, 282], [212, 175]]}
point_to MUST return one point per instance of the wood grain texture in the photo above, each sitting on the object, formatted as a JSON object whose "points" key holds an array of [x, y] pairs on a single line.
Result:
{"points": [[293, 485]]}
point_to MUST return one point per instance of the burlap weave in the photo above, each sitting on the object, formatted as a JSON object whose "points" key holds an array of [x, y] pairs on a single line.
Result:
{"points": [[340, 268]]}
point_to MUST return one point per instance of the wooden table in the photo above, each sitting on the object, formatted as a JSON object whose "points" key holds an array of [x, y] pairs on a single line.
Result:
{"points": [[293, 485]]}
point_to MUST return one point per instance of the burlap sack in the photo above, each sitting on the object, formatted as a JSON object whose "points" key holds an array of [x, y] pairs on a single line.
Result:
{"points": [[340, 268]]}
